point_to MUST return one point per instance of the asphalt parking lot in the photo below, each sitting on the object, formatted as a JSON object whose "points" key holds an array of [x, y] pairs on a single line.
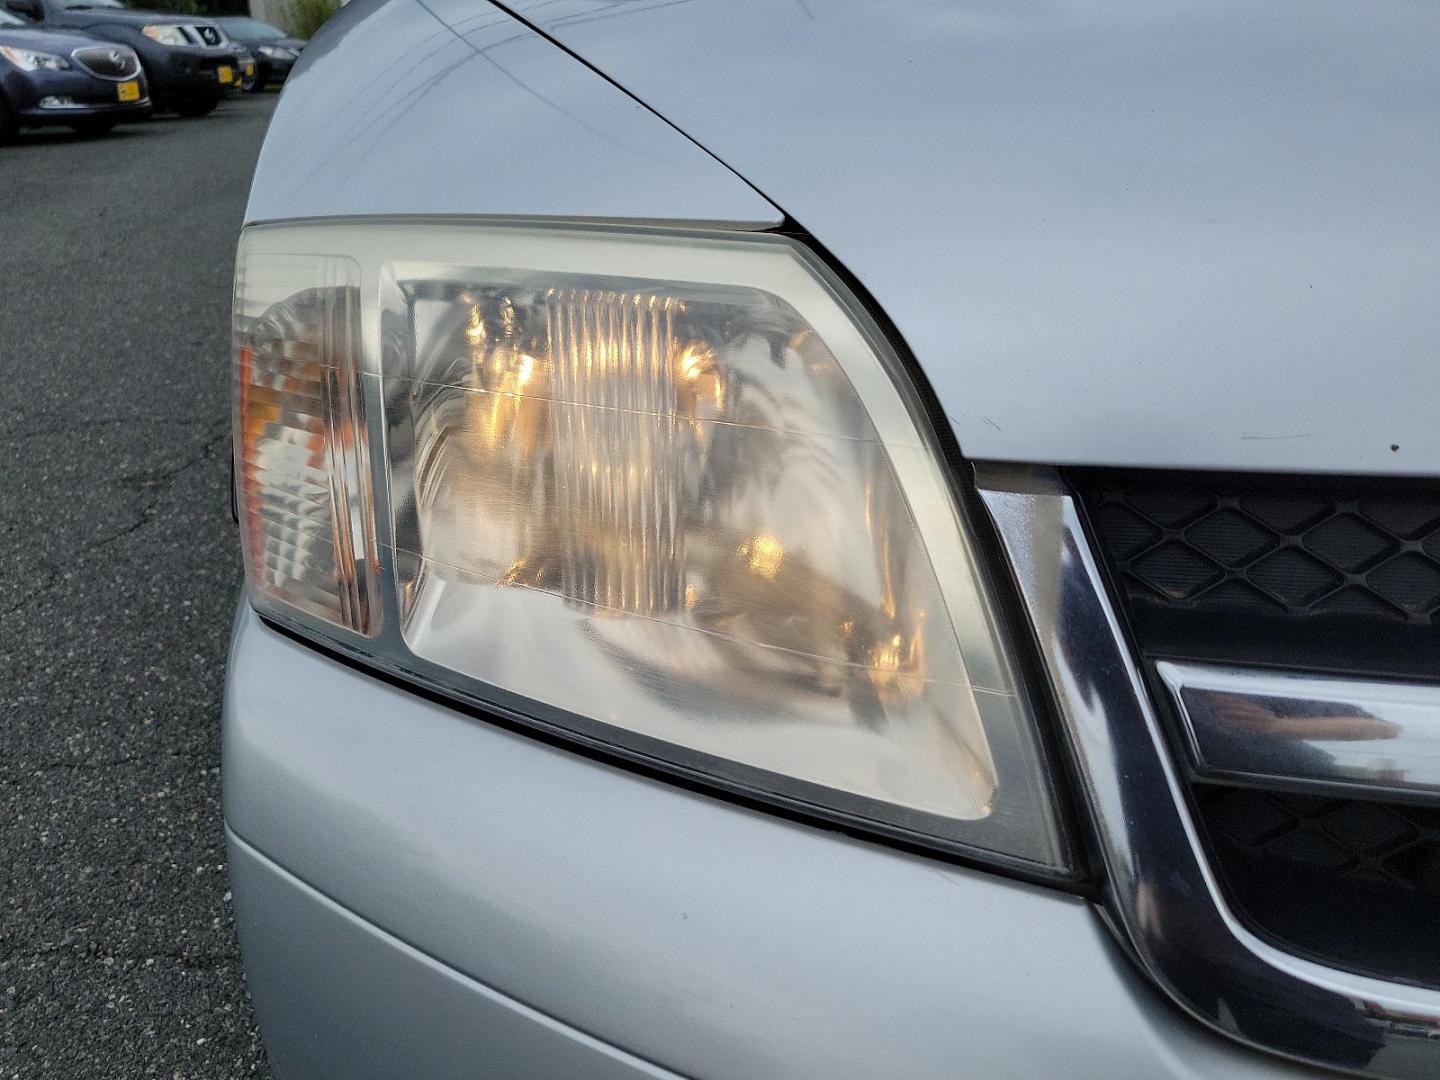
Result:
{"points": [[117, 952]]}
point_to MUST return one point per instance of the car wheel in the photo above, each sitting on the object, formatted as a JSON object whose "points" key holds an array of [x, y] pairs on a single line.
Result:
{"points": [[93, 127], [196, 106]]}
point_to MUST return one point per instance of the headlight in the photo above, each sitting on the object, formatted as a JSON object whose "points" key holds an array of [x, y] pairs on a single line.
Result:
{"points": [[275, 52], [672, 493], [30, 60], [166, 34]]}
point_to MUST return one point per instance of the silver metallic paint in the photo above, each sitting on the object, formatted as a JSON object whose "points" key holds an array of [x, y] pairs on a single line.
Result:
{"points": [[707, 938], [338, 997], [1199, 233], [389, 111], [1181, 233]]}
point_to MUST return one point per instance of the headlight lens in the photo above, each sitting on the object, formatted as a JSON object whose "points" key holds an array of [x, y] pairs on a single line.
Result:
{"points": [[30, 60], [671, 492], [166, 34], [275, 52]]}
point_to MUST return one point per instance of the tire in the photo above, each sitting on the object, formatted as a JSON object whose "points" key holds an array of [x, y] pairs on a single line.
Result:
{"points": [[196, 106], [93, 128]]}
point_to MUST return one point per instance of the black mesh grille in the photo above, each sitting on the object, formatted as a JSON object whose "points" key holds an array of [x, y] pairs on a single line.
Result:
{"points": [[1350, 882], [1334, 575], [1384, 842], [1293, 553], [108, 61]]}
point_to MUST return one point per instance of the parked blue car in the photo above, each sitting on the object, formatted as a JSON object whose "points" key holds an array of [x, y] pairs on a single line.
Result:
{"points": [[66, 78], [188, 62]]}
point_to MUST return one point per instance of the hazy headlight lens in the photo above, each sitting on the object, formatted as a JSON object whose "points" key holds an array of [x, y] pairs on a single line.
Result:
{"points": [[166, 34], [677, 487]]}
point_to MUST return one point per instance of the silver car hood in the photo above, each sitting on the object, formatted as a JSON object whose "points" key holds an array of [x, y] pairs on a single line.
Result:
{"points": [[1126, 232]]}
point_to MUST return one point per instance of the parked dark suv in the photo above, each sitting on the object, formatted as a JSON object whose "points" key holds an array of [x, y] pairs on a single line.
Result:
{"points": [[188, 61]]}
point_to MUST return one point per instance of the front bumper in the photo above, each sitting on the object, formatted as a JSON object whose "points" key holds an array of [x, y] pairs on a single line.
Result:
{"points": [[354, 1001], [93, 97], [272, 69], [181, 73], [457, 899]]}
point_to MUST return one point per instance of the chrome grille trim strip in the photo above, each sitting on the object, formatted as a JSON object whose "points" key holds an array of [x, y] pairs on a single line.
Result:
{"points": [[1348, 736], [1162, 894]]}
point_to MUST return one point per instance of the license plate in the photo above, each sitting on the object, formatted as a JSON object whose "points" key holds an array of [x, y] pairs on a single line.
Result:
{"points": [[226, 74], [249, 70], [128, 90]]}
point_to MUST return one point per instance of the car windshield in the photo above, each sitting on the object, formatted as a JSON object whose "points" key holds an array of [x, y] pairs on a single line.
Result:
{"points": [[250, 29], [7, 20]]}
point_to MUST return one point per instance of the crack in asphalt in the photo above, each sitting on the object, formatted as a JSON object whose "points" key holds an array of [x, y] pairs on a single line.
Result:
{"points": [[152, 483], [160, 478]]}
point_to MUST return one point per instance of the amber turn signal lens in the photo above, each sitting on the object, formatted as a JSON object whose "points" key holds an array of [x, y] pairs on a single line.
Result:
{"points": [[301, 482]]}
